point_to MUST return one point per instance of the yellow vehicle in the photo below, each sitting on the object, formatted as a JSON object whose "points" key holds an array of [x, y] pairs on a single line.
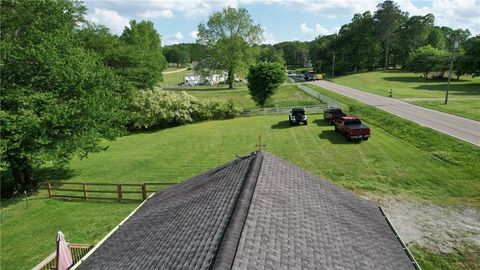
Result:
{"points": [[318, 77]]}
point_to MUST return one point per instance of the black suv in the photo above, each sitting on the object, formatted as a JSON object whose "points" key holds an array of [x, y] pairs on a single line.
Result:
{"points": [[297, 116]]}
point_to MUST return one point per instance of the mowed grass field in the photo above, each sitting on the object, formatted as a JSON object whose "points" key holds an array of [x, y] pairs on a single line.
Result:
{"points": [[286, 95], [469, 108], [464, 95], [401, 158], [175, 77]]}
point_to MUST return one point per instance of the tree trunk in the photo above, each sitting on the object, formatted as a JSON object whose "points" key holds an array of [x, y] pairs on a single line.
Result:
{"points": [[387, 48], [18, 176], [30, 183], [230, 78], [23, 175]]}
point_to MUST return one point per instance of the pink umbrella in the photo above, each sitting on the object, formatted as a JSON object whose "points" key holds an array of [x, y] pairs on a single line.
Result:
{"points": [[64, 256]]}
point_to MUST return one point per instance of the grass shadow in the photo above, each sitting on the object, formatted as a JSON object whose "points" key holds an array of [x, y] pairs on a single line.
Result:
{"points": [[407, 79], [472, 89], [41, 175], [322, 123], [281, 125], [334, 137]]}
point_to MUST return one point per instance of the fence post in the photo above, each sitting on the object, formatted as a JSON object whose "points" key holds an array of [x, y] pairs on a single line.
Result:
{"points": [[84, 191], [119, 189], [144, 191], [49, 189]]}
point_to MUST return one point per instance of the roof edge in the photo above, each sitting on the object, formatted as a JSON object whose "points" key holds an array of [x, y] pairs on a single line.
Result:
{"points": [[227, 248], [77, 264], [404, 246]]}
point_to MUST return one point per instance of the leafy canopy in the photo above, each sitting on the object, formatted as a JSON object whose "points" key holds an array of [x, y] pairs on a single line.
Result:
{"points": [[229, 36], [57, 98], [427, 59], [263, 79]]}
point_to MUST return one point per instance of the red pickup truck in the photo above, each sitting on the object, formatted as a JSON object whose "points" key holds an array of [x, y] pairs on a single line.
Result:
{"points": [[331, 115], [351, 127]]}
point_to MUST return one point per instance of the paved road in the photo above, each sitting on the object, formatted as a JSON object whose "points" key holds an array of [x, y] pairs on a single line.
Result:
{"points": [[174, 71], [459, 127]]}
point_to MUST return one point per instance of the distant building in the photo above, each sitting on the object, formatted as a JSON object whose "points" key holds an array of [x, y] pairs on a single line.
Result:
{"points": [[213, 79], [256, 212]]}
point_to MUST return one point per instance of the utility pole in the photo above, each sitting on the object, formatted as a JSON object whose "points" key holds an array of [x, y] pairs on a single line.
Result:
{"points": [[333, 65], [333, 62], [450, 70]]}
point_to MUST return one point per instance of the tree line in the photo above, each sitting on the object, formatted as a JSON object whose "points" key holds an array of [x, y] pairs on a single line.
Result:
{"points": [[387, 39]]}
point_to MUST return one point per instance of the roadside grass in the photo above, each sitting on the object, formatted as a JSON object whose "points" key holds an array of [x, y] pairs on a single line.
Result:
{"points": [[410, 85], [469, 108], [286, 96], [401, 158], [459, 158]]}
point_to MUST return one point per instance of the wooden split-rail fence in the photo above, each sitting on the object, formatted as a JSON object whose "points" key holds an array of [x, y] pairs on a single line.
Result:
{"points": [[103, 191]]}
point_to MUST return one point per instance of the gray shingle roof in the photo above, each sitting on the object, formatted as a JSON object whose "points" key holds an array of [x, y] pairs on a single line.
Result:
{"points": [[257, 212]]}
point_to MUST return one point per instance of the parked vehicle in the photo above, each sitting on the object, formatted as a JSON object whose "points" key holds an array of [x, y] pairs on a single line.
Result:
{"points": [[309, 76], [318, 77], [297, 116], [330, 115], [352, 128]]}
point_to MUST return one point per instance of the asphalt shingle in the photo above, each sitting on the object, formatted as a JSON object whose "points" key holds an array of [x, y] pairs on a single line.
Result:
{"points": [[257, 212], [178, 228], [298, 221]]}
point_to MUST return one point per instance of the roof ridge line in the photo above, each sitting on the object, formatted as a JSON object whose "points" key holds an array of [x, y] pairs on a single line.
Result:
{"points": [[227, 247]]}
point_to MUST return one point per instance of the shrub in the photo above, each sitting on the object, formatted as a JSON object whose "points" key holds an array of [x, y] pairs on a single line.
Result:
{"points": [[160, 108]]}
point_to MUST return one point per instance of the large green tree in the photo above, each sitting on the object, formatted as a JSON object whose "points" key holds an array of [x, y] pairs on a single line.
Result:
{"points": [[58, 99], [229, 36], [269, 53], [358, 49], [139, 58], [427, 59], [388, 19], [472, 56], [413, 34], [263, 79]]}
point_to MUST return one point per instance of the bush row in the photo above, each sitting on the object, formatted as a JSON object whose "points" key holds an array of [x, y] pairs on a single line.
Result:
{"points": [[160, 108]]}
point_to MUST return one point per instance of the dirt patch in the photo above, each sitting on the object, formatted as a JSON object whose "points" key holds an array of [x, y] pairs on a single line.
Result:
{"points": [[440, 229]]}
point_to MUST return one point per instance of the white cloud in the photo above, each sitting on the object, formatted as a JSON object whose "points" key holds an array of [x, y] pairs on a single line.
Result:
{"points": [[305, 29], [329, 8], [451, 13], [178, 35], [109, 18], [316, 30], [194, 34], [268, 37], [156, 14], [174, 38]]}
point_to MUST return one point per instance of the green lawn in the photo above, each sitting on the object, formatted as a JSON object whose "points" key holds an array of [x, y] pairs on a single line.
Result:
{"points": [[286, 96], [406, 85], [176, 77], [408, 159], [469, 108]]}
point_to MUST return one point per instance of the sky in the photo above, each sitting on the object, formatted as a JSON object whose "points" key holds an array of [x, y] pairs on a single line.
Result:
{"points": [[282, 20]]}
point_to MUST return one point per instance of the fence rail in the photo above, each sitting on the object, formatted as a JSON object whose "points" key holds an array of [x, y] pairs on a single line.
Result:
{"points": [[318, 108], [65, 190], [77, 250]]}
